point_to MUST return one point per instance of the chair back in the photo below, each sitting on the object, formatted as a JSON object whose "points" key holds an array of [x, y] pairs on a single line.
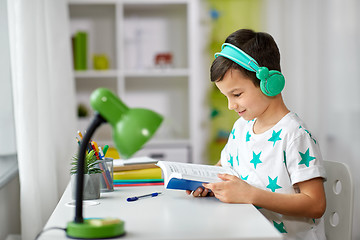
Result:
{"points": [[339, 191]]}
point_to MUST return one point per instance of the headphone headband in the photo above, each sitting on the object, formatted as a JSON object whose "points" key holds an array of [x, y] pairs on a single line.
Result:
{"points": [[238, 56]]}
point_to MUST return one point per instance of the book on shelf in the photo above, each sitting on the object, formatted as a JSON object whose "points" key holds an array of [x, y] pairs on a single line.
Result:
{"points": [[187, 176]]}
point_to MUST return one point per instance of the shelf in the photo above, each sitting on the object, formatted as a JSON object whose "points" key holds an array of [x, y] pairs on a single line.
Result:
{"points": [[149, 44], [96, 74], [132, 2], [157, 143], [166, 72]]}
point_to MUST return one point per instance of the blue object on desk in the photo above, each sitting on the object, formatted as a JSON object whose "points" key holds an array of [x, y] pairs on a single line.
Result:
{"points": [[184, 184], [131, 199]]}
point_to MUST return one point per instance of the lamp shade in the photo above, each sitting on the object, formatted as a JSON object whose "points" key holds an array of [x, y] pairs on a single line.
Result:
{"points": [[132, 127]]}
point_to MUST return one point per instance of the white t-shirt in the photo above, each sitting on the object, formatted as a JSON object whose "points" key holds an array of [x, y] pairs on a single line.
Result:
{"points": [[275, 161]]}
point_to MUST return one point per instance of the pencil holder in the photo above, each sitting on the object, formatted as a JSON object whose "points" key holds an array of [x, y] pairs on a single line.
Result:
{"points": [[106, 180]]}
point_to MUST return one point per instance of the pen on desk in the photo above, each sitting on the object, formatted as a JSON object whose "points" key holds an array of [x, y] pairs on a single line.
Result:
{"points": [[131, 199]]}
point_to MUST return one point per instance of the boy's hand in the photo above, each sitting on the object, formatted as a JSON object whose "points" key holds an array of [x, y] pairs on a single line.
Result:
{"points": [[200, 192], [231, 190]]}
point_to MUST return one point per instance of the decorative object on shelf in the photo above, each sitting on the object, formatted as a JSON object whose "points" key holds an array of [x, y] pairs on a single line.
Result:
{"points": [[80, 44], [100, 62], [132, 128], [82, 110], [164, 60], [91, 176]]}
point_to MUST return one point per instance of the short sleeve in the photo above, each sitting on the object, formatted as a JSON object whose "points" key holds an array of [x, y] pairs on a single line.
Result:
{"points": [[303, 158]]}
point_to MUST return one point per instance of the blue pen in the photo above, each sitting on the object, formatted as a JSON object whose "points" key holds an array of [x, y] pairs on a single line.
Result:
{"points": [[131, 199]]}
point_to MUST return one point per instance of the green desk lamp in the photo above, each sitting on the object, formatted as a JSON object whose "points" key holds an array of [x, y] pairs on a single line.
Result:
{"points": [[132, 128]]}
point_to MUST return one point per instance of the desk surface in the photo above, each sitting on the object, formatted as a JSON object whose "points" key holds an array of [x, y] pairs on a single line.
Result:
{"points": [[171, 215]]}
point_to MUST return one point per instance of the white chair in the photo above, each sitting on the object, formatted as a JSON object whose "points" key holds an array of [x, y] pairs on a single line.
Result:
{"points": [[339, 191]]}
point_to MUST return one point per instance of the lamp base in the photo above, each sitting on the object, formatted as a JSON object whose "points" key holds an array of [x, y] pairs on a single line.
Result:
{"points": [[96, 228]]}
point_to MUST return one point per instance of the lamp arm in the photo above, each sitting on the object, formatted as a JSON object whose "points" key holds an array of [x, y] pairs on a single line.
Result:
{"points": [[96, 122]]}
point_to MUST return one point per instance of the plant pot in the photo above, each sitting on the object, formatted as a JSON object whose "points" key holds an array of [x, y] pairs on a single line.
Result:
{"points": [[91, 186]]}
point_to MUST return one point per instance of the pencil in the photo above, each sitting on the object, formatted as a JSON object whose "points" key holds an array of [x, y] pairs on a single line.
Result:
{"points": [[81, 136], [93, 148]]}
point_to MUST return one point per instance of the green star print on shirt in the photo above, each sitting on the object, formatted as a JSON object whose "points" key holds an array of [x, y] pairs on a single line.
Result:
{"points": [[306, 158], [248, 135], [231, 160], [273, 184], [275, 137], [256, 159], [280, 227]]}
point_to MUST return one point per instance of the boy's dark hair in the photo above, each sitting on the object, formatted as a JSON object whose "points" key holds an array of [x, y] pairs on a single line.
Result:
{"points": [[259, 45]]}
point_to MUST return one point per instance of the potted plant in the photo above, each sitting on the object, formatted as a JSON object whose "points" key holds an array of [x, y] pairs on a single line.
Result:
{"points": [[91, 176]]}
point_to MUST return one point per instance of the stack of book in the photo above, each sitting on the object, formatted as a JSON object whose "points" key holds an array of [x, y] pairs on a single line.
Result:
{"points": [[137, 172]]}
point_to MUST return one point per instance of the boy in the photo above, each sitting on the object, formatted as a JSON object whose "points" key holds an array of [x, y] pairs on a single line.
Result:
{"points": [[279, 161]]}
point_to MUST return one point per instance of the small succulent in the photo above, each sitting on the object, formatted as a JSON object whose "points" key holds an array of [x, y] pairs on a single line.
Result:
{"points": [[90, 164]]}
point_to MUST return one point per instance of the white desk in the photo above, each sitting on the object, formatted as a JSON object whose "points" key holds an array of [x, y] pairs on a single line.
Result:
{"points": [[171, 215]]}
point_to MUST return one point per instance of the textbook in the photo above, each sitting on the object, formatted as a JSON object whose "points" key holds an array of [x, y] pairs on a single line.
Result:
{"points": [[150, 173], [187, 176], [134, 167], [133, 161]]}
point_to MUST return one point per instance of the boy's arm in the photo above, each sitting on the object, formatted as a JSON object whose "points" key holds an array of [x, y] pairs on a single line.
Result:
{"points": [[310, 202]]}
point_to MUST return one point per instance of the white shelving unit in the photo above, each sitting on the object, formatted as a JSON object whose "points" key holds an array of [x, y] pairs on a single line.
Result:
{"points": [[131, 33]]}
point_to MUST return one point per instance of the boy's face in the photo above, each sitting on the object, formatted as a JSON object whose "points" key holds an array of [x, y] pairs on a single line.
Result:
{"points": [[243, 96]]}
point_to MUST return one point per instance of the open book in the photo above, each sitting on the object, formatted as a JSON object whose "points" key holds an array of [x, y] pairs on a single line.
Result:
{"points": [[187, 176]]}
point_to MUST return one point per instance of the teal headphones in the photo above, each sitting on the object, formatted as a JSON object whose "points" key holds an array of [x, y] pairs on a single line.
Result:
{"points": [[271, 82]]}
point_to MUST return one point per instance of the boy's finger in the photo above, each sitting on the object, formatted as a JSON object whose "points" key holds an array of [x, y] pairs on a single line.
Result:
{"points": [[205, 192], [197, 192], [225, 176]]}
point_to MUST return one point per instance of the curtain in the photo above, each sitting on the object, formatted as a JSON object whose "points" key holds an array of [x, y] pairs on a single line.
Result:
{"points": [[319, 45], [44, 105]]}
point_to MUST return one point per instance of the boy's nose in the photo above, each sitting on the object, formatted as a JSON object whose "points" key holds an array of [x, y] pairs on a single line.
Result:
{"points": [[232, 105]]}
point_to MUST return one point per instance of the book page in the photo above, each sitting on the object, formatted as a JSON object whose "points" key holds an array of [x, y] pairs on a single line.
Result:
{"points": [[197, 172]]}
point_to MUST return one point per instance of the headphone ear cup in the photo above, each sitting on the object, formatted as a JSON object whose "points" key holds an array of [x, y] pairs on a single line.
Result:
{"points": [[273, 84]]}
